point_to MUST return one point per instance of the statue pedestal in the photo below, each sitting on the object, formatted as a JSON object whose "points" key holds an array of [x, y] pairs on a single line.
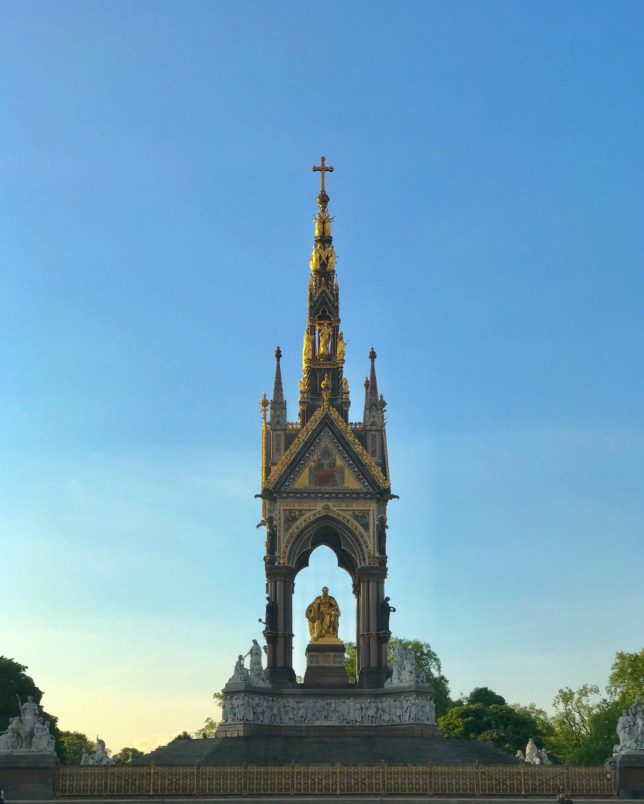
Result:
{"points": [[325, 664], [27, 775], [630, 773]]}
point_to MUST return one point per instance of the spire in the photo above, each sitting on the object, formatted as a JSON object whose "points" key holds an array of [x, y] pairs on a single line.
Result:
{"points": [[278, 403], [366, 398], [373, 383], [373, 404], [323, 351]]}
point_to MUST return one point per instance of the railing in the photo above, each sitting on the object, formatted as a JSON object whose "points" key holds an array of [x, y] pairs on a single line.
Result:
{"points": [[381, 779]]}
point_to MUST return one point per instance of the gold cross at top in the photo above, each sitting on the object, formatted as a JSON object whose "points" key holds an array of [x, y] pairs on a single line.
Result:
{"points": [[322, 168]]}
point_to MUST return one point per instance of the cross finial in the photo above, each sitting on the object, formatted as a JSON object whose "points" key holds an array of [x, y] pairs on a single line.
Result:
{"points": [[322, 168]]}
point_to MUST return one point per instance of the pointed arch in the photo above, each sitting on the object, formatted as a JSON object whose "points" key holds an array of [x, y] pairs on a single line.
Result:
{"points": [[333, 530]]}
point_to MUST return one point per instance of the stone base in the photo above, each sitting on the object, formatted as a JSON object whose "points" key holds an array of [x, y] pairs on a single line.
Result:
{"points": [[325, 664], [347, 710], [630, 773], [27, 776]]}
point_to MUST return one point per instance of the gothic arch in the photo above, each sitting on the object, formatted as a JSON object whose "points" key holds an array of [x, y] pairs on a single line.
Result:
{"points": [[333, 530]]}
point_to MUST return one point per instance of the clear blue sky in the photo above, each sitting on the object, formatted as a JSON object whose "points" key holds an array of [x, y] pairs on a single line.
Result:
{"points": [[157, 199]]}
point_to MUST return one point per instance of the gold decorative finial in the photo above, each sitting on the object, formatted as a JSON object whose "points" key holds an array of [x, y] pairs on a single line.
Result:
{"points": [[264, 403], [325, 387], [322, 168]]}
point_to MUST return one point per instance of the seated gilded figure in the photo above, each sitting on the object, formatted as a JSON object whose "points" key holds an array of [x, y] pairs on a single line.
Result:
{"points": [[323, 615]]}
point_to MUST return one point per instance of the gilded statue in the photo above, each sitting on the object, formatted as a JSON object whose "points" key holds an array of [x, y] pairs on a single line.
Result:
{"points": [[323, 615], [307, 348], [325, 258], [323, 224], [324, 328], [341, 346]]}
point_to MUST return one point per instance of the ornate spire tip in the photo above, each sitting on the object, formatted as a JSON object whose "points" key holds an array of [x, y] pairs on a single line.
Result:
{"points": [[322, 168]]}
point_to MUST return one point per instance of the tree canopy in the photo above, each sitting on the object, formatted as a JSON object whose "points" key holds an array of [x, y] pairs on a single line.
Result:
{"points": [[485, 696], [73, 743], [505, 726], [126, 756], [584, 721]]}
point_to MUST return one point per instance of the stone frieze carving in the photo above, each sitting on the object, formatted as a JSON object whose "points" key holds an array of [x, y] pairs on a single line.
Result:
{"points": [[373, 710]]}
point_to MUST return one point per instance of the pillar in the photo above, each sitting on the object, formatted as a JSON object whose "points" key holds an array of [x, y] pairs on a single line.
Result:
{"points": [[279, 639], [373, 643]]}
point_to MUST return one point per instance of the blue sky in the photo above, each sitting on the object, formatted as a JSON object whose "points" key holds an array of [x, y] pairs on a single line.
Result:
{"points": [[157, 203]]}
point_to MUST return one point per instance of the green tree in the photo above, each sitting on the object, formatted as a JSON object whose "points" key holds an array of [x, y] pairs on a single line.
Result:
{"points": [[427, 663], [73, 743], [574, 712], [499, 724], [126, 756], [544, 724], [485, 696], [16, 684], [583, 726], [584, 722], [626, 680]]}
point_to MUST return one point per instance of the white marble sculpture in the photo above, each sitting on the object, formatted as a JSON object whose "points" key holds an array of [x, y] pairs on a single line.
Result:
{"points": [[399, 659], [242, 676], [534, 756], [256, 672], [405, 671], [27, 732], [99, 757], [245, 706], [630, 729]]}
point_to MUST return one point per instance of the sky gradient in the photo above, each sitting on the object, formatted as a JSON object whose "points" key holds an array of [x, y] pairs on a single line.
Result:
{"points": [[157, 202]]}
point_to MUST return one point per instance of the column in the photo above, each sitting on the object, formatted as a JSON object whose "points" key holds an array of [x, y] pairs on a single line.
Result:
{"points": [[279, 639], [373, 654]]}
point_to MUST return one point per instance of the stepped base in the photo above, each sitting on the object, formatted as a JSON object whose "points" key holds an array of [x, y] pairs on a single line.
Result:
{"points": [[318, 747]]}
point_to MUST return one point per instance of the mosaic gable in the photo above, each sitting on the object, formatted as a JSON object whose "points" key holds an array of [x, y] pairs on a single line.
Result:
{"points": [[326, 467]]}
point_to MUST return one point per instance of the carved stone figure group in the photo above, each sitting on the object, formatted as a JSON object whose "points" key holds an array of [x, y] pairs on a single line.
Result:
{"points": [[245, 677], [404, 671], [245, 707], [630, 729], [533, 756], [27, 731], [98, 757]]}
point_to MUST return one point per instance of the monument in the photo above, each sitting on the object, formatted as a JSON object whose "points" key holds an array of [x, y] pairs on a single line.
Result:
{"points": [[325, 481]]}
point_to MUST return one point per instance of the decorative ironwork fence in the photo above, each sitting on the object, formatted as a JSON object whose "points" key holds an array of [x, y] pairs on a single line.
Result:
{"points": [[382, 779]]}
